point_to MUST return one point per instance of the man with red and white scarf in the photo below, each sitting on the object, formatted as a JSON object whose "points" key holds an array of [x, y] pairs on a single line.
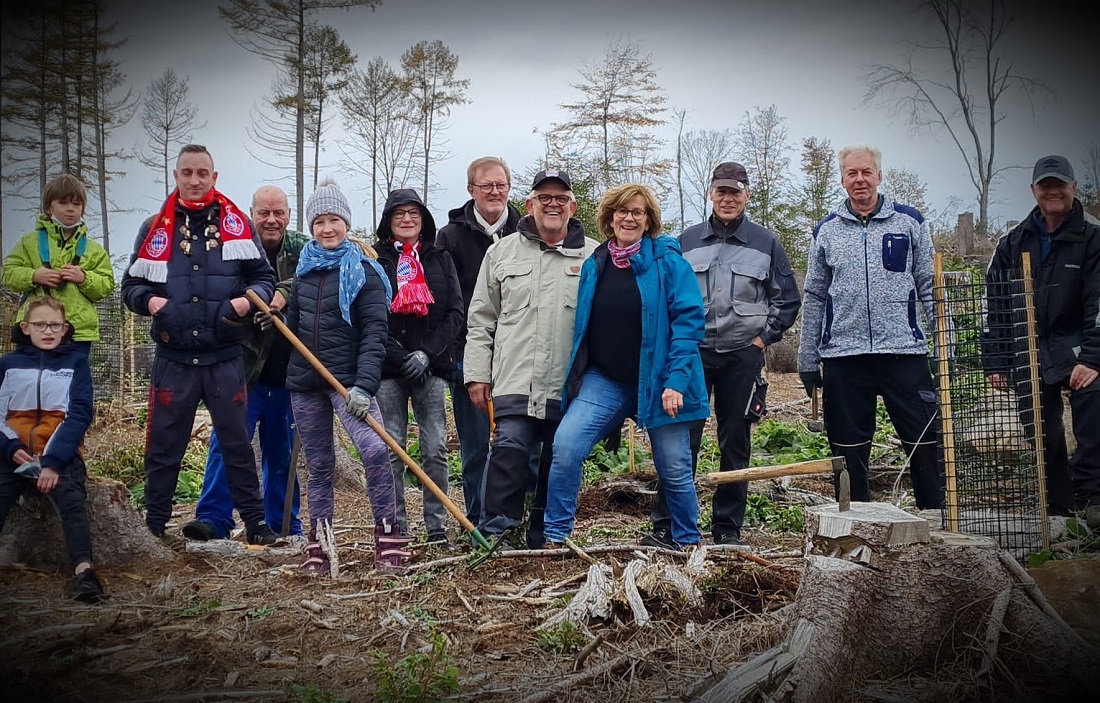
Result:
{"points": [[192, 263]]}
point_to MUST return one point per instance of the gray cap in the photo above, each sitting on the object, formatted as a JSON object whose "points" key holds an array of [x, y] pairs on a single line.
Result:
{"points": [[1052, 166], [328, 199]]}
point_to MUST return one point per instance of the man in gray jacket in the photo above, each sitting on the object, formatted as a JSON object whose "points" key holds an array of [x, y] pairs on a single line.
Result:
{"points": [[520, 332], [868, 281], [751, 298]]}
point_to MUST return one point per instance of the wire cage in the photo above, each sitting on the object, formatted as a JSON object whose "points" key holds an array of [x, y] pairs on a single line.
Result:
{"points": [[992, 452]]}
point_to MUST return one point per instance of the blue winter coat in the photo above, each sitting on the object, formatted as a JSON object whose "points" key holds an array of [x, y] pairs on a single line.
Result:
{"points": [[673, 326]]}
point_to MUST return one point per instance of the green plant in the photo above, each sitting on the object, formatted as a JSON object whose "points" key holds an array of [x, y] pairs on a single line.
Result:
{"points": [[783, 443], [312, 693], [710, 455], [197, 606], [260, 613], [188, 490], [760, 511], [563, 639], [415, 612], [603, 463], [418, 677]]}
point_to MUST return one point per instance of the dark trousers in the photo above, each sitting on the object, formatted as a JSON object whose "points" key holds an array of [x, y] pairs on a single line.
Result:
{"points": [[67, 498], [1070, 482], [850, 389], [729, 378], [472, 427], [174, 394], [507, 475]]}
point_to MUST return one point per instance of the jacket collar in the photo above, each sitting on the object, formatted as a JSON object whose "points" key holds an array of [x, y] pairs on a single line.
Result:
{"points": [[1072, 230], [574, 236]]}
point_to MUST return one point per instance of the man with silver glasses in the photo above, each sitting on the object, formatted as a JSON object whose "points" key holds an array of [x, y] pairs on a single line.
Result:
{"points": [[520, 324]]}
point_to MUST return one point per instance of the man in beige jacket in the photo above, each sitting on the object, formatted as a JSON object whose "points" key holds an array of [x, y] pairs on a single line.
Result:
{"points": [[517, 349]]}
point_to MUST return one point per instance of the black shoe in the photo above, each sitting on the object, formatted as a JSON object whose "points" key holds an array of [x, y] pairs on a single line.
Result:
{"points": [[660, 538], [260, 533], [728, 538], [86, 587], [199, 530], [438, 538]]}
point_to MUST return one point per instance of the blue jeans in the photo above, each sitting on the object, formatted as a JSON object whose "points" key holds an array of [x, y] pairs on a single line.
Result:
{"points": [[600, 407], [268, 407]]}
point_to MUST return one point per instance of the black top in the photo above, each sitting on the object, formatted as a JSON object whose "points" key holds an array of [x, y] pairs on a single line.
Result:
{"points": [[615, 330]]}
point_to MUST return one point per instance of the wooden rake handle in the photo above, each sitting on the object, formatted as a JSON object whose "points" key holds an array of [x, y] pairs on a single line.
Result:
{"points": [[379, 430]]}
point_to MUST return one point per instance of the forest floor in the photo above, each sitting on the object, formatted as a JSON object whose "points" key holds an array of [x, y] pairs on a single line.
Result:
{"points": [[207, 627]]}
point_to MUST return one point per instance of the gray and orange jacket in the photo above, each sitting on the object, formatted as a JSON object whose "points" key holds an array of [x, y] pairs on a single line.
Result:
{"points": [[46, 398]]}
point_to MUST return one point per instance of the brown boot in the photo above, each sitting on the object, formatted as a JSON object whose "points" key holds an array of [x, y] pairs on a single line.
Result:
{"points": [[390, 553]]}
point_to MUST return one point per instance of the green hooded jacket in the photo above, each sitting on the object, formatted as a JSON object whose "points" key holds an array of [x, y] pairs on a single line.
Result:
{"points": [[79, 299], [257, 345]]}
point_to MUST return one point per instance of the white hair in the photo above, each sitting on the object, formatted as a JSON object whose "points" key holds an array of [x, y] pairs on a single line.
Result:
{"points": [[859, 149]]}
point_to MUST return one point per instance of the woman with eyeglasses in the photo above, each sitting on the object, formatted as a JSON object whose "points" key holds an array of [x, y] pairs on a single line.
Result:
{"points": [[640, 320], [426, 316]]}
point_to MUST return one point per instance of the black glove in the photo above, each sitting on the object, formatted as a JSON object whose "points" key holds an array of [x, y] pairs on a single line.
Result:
{"points": [[358, 402], [263, 319], [415, 367], [810, 380]]}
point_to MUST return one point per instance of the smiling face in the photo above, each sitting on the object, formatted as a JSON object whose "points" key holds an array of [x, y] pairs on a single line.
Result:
{"points": [[552, 217], [68, 211], [45, 327], [1054, 197], [271, 215], [861, 176], [330, 231], [729, 203], [405, 222], [491, 205], [629, 221], [195, 175]]}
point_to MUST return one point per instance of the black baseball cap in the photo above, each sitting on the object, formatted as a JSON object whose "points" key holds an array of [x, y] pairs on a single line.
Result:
{"points": [[1052, 166], [548, 174], [730, 174]]}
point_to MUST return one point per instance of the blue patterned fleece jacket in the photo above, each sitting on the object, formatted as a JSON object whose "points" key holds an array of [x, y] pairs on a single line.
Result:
{"points": [[865, 285]]}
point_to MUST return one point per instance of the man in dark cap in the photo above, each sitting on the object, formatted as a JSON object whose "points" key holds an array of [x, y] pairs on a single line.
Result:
{"points": [[751, 298], [1064, 243], [520, 334]]}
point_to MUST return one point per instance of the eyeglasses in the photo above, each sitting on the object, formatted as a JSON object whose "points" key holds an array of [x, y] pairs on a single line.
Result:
{"points": [[623, 213], [51, 326], [402, 214], [490, 187], [546, 199]]}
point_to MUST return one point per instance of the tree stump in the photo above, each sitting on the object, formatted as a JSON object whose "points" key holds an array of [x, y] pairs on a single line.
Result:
{"points": [[923, 614], [119, 534]]}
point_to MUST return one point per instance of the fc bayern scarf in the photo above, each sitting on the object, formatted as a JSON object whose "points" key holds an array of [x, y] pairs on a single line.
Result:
{"points": [[236, 238], [620, 256], [413, 295]]}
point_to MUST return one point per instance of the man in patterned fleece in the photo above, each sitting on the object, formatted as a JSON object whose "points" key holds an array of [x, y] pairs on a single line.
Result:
{"points": [[868, 280]]}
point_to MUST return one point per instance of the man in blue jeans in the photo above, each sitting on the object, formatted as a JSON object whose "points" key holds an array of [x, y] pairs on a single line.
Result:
{"points": [[266, 356]]}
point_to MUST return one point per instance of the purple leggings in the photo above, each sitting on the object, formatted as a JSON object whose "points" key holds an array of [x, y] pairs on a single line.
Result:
{"points": [[313, 415]]}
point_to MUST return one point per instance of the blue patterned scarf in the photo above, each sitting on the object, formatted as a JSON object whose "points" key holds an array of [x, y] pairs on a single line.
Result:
{"points": [[349, 258]]}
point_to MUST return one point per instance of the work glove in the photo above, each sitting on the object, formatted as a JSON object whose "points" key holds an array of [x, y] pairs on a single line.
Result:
{"points": [[415, 367], [810, 380], [358, 403], [263, 319]]}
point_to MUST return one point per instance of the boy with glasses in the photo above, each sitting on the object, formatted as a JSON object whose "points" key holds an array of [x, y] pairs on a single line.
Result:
{"points": [[46, 399]]}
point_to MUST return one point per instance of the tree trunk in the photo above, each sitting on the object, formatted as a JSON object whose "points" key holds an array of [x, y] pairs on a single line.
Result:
{"points": [[119, 534], [944, 619]]}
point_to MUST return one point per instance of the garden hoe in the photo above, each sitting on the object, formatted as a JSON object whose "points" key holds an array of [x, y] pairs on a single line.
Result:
{"points": [[374, 425]]}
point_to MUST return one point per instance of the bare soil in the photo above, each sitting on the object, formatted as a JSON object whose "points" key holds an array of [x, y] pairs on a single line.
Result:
{"points": [[202, 627]]}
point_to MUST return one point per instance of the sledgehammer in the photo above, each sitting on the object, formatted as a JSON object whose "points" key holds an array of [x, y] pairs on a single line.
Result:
{"points": [[379, 430], [814, 425]]}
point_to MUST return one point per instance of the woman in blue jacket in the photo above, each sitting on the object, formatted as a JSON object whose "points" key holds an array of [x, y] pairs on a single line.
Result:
{"points": [[639, 323]]}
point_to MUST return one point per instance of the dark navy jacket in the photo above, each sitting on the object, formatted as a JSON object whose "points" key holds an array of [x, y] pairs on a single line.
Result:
{"points": [[197, 325]]}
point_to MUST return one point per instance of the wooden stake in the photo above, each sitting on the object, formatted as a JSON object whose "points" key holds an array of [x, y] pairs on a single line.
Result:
{"points": [[943, 368], [1036, 398]]}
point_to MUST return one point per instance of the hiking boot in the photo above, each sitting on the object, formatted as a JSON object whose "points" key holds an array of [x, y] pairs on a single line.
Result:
{"points": [[660, 538], [260, 533], [199, 530], [86, 587], [439, 540], [389, 547], [727, 538], [1092, 517], [316, 563]]}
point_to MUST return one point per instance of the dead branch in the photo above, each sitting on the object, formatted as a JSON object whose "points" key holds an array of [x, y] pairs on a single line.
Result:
{"points": [[211, 695], [568, 683]]}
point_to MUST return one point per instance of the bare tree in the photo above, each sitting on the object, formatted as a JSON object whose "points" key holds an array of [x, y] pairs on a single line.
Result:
{"points": [[762, 142], [904, 186], [967, 100], [276, 31], [702, 151], [1090, 179], [821, 189], [429, 72], [377, 108], [168, 118], [620, 106]]}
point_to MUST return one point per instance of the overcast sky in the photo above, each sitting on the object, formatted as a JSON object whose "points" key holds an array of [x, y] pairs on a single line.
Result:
{"points": [[715, 59]]}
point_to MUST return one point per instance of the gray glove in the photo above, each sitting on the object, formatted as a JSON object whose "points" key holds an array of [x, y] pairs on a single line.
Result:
{"points": [[359, 402], [415, 367]]}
